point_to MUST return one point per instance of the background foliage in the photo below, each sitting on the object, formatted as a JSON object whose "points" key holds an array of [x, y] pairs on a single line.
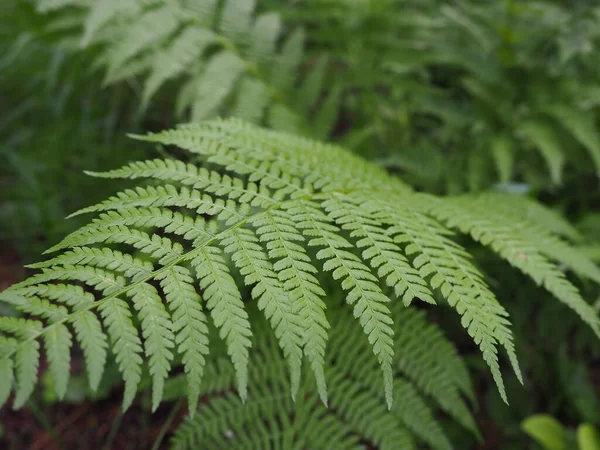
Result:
{"points": [[456, 97]]}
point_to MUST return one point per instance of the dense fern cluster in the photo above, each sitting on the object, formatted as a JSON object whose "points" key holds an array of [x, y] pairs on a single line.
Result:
{"points": [[270, 204], [494, 89], [226, 59], [357, 412]]}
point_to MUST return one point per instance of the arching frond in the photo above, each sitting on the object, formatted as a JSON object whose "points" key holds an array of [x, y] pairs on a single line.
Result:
{"points": [[523, 244], [265, 210]]}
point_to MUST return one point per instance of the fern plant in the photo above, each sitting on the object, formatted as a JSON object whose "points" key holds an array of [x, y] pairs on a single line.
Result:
{"points": [[268, 207], [225, 59], [357, 412], [60, 105], [336, 253], [502, 91]]}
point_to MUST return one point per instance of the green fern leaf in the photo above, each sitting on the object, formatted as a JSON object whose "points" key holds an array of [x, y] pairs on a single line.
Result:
{"points": [[173, 61], [153, 26], [363, 293], [311, 87], [236, 19], [522, 249], [126, 344], [325, 119], [263, 38], [409, 409], [105, 258], [6, 368], [35, 305], [51, 5], [446, 379], [93, 343], [27, 363], [103, 12], [254, 265], [380, 250], [535, 213], [190, 326], [157, 330], [215, 83], [296, 273], [459, 281], [286, 64], [252, 101], [545, 139], [224, 301], [581, 126], [58, 346], [358, 413], [417, 416]]}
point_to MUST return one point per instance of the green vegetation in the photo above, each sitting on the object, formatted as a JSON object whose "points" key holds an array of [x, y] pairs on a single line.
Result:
{"points": [[369, 203]]}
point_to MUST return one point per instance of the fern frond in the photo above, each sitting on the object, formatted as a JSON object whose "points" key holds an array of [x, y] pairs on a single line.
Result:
{"points": [[27, 356], [87, 326], [154, 25], [535, 213], [183, 51], [109, 225], [196, 178], [23, 367], [459, 280], [189, 324], [254, 265], [51, 5], [58, 349], [224, 301], [102, 13], [157, 330], [357, 411], [296, 273], [231, 60], [523, 246], [104, 258], [381, 251], [543, 136], [446, 379], [126, 344], [581, 126], [168, 195], [93, 343], [216, 82], [364, 294], [7, 345], [503, 154], [354, 370], [266, 205]]}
